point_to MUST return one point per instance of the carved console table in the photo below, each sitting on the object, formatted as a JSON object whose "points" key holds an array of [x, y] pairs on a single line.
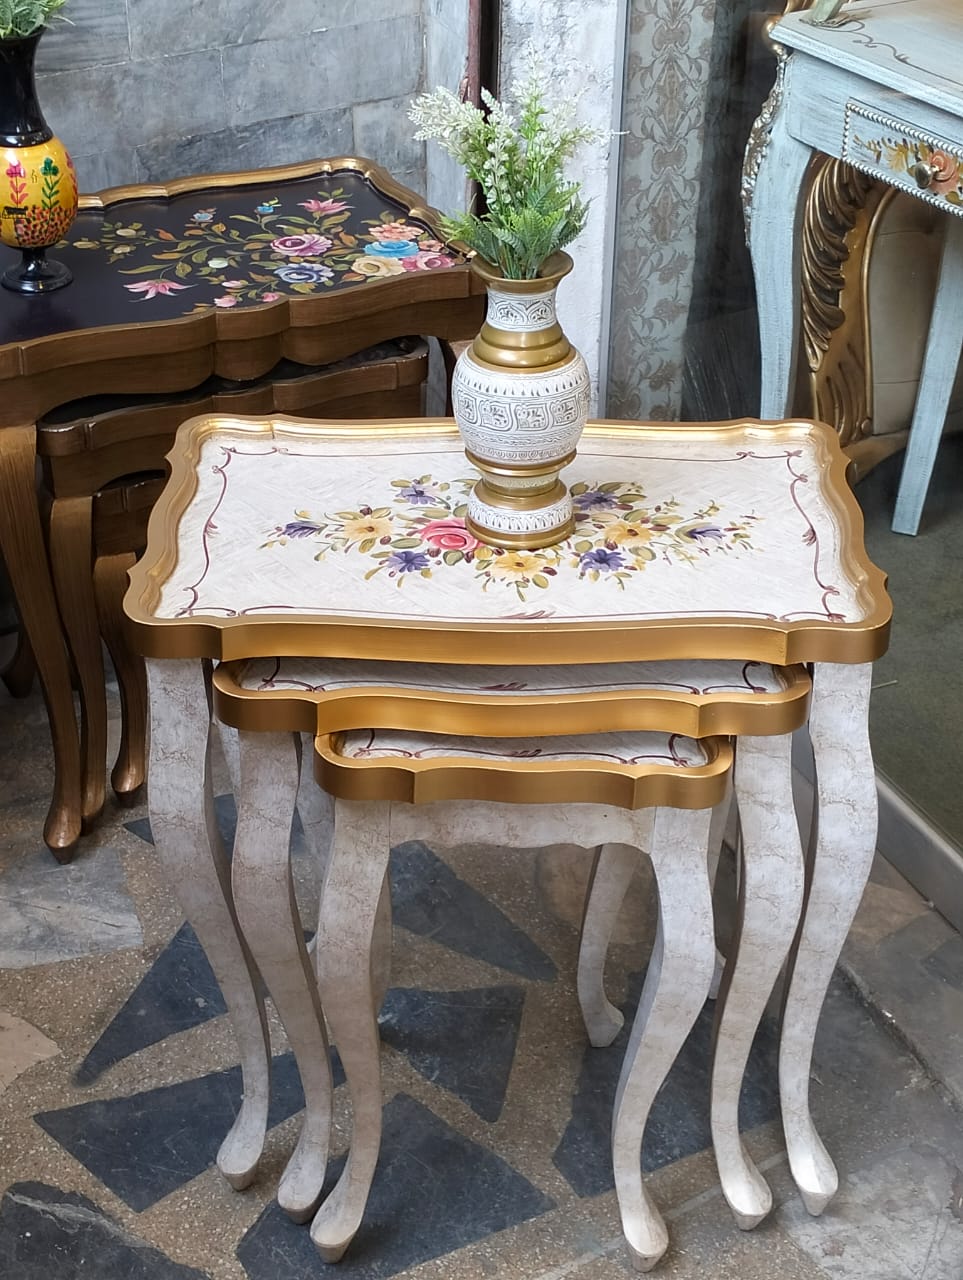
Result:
{"points": [[879, 88], [225, 275]]}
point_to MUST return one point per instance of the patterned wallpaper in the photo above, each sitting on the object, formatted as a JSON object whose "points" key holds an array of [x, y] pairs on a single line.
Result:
{"points": [[666, 82]]}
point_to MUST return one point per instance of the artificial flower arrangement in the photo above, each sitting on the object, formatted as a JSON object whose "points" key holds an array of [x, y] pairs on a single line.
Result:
{"points": [[19, 18], [518, 160]]}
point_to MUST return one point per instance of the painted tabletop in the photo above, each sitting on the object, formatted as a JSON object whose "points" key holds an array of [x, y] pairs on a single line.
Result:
{"points": [[348, 540], [143, 254], [914, 46]]}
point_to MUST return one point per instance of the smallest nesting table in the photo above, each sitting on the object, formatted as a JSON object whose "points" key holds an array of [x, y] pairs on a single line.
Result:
{"points": [[726, 541]]}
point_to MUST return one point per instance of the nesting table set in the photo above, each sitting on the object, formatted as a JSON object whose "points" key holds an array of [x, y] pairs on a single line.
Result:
{"points": [[327, 568], [241, 292]]}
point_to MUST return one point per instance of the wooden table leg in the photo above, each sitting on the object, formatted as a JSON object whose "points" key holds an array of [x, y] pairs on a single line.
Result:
{"points": [[71, 560], [268, 914], [189, 847], [841, 857], [676, 988], [130, 768], [770, 900], [25, 556]]}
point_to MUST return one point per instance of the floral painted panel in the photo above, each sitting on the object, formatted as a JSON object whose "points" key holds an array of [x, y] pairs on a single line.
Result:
{"points": [[890, 150], [422, 531], [158, 258], [365, 527]]}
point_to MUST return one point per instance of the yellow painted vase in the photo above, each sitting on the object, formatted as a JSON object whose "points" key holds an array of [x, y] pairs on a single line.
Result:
{"points": [[38, 185]]}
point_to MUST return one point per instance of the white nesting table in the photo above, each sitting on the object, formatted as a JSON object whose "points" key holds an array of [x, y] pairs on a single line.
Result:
{"points": [[880, 89], [735, 540]]}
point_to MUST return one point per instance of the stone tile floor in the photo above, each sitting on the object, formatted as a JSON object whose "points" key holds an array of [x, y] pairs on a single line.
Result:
{"points": [[117, 1082]]}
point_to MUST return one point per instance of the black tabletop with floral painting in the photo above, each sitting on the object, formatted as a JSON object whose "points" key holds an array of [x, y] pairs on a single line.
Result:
{"points": [[162, 257]]}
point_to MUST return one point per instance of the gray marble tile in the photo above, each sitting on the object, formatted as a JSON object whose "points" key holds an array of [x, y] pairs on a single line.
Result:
{"points": [[242, 147], [49, 912], [339, 66], [130, 103], [176, 26], [898, 1217], [95, 35], [383, 132], [101, 169]]}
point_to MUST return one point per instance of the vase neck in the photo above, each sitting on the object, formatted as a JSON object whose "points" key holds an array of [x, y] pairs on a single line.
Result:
{"points": [[522, 313], [21, 120]]}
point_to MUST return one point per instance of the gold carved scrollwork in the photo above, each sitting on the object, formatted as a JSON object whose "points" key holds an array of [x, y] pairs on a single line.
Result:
{"points": [[838, 225]]}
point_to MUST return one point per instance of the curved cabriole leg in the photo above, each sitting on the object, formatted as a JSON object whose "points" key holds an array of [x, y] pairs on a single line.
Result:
{"points": [[770, 899], [676, 987], [130, 767], [776, 214], [717, 835], [189, 847], [25, 557], [268, 913], [612, 873], [840, 863], [353, 888], [71, 560]]}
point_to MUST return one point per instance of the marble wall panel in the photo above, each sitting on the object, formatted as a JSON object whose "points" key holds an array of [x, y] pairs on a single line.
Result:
{"points": [[339, 66], [244, 147], [383, 132], [142, 90], [128, 103]]}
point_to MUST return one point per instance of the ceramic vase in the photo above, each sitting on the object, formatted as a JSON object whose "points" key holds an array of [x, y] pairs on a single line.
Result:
{"points": [[520, 395], [38, 186]]}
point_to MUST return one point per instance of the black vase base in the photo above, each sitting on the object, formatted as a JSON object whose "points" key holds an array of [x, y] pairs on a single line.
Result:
{"points": [[36, 274]]}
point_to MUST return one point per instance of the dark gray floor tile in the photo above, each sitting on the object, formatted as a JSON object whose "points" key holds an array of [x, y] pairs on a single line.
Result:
{"points": [[179, 991], [435, 1191], [430, 900], [49, 1234], [463, 1041], [147, 1145]]}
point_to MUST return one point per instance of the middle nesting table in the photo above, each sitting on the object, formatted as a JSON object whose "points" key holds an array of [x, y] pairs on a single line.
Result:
{"points": [[726, 541], [269, 701]]}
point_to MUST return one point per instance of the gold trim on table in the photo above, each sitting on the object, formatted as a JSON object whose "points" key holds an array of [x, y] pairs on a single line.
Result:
{"points": [[530, 635]]}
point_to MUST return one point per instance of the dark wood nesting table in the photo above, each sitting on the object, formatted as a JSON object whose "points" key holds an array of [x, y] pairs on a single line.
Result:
{"points": [[209, 276]]}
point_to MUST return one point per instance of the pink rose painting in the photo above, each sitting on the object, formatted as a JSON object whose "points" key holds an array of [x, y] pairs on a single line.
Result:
{"points": [[307, 246], [448, 535]]}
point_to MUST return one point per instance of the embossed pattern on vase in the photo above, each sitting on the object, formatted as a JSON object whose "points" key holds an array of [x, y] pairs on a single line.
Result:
{"points": [[521, 418]]}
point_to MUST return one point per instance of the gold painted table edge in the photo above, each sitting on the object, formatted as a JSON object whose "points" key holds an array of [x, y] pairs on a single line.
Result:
{"points": [[502, 643], [490, 714]]}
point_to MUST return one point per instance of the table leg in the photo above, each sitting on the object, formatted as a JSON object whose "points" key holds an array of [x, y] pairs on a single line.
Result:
{"points": [[349, 908], [71, 560], [770, 900], [676, 988], [936, 383], [612, 872], [190, 850], [841, 856], [130, 767], [24, 553], [611, 876], [774, 244], [268, 914]]}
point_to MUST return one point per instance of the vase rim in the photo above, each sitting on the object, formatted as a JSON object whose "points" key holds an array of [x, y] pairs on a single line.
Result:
{"points": [[552, 270], [35, 34]]}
